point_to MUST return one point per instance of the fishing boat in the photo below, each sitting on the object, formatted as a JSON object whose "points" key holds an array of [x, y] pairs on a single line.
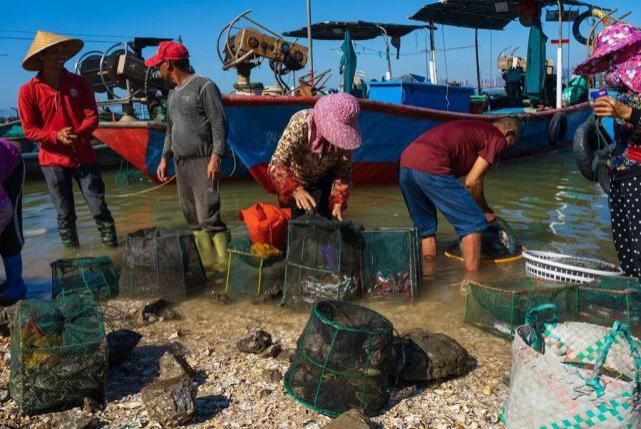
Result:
{"points": [[393, 112]]}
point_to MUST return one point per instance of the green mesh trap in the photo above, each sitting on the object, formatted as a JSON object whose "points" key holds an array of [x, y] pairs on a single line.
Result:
{"points": [[323, 261], [391, 262], [342, 360], [58, 354], [608, 299], [251, 274], [502, 306], [91, 277], [159, 262]]}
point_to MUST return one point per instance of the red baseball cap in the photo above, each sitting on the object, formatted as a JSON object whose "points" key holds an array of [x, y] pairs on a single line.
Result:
{"points": [[168, 50]]}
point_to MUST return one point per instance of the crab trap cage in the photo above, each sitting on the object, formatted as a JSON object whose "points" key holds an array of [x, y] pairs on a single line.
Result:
{"points": [[323, 261], [89, 277], [159, 262], [501, 307], [253, 269], [391, 262], [343, 359], [58, 354]]}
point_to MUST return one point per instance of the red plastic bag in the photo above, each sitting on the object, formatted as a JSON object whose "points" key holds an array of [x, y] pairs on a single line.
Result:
{"points": [[266, 224]]}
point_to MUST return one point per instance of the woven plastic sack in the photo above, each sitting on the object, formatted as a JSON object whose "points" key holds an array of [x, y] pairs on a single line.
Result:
{"points": [[500, 307], [58, 354], [252, 273], [343, 359], [609, 299], [90, 277], [323, 261], [159, 262], [569, 375], [391, 262]]}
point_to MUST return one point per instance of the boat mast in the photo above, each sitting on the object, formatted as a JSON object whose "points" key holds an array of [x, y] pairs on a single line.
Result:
{"points": [[478, 67], [559, 59], [388, 73], [309, 41], [432, 62]]}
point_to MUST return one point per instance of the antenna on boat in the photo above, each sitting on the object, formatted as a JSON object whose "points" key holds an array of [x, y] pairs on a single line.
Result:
{"points": [[310, 52]]}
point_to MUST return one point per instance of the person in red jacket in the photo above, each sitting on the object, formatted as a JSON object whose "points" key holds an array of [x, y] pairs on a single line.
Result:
{"points": [[58, 110]]}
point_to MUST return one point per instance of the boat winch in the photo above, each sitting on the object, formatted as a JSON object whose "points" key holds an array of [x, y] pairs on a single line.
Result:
{"points": [[247, 47]]}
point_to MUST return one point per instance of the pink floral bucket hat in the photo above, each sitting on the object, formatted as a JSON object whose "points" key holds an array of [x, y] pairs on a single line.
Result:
{"points": [[335, 118], [610, 44]]}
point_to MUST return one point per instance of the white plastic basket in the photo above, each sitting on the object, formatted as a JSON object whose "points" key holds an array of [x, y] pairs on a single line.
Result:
{"points": [[566, 268]]}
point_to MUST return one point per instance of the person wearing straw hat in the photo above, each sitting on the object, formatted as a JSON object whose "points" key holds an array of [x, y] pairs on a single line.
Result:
{"points": [[11, 240], [58, 110], [311, 168], [196, 138], [617, 51]]}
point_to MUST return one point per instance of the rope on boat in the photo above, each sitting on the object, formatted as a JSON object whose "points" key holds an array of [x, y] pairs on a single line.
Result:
{"points": [[133, 194]]}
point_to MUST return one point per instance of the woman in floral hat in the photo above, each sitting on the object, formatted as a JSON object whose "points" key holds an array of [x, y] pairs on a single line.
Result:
{"points": [[311, 168], [618, 53]]}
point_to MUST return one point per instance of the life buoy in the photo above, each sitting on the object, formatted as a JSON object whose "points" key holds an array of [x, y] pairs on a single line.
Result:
{"points": [[558, 128]]}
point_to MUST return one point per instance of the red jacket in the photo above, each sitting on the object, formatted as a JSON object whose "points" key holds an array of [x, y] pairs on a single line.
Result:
{"points": [[44, 111]]}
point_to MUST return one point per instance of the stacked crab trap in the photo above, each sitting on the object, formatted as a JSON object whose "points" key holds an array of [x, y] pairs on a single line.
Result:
{"points": [[582, 288]]}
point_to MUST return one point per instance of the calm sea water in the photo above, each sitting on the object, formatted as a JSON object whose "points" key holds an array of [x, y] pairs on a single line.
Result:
{"points": [[546, 200]]}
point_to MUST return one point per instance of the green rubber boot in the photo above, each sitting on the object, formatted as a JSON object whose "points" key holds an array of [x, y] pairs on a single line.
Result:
{"points": [[107, 231], [212, 247], [69, 237], [205, 246]]}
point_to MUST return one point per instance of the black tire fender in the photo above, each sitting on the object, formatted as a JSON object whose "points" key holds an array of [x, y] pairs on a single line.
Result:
{"points": [[576, 27], [584, 145], [558, 128]]}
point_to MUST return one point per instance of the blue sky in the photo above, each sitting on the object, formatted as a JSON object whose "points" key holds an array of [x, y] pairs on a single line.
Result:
{"points": [[199, 22]]}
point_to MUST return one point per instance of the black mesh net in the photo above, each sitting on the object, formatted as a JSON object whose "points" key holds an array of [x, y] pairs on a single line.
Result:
{"points": [[90, 277], [323, 261], [501, 307], [252, 270], [159, 262], [391, 262], [58, 354], [343, 360]]}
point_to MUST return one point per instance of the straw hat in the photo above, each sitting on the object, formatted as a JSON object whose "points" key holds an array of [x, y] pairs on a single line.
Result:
{"points": [[44, 40]]}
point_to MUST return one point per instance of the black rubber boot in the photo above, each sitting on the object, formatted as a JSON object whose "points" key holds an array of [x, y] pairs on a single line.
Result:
{"points": [[107, 232], [69, 237]]}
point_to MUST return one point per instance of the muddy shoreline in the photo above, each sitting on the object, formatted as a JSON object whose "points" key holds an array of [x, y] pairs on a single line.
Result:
{"points": [[236, 389]]}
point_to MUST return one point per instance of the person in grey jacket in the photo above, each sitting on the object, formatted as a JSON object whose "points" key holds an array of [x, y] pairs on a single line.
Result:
{"points": [[196, 136]]}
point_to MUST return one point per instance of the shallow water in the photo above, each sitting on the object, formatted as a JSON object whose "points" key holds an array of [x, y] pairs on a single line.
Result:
{"points": [[546, 200]]}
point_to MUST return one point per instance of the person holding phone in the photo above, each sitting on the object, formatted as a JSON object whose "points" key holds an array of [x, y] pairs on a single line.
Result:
{"points": [[618, 53], [311, 168]]}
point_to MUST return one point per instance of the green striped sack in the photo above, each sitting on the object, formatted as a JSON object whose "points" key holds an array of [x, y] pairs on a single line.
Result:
{"points": [[573, 375]]}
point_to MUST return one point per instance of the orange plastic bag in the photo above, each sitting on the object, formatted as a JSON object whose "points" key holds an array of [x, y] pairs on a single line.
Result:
{"points": [[266, 224]]}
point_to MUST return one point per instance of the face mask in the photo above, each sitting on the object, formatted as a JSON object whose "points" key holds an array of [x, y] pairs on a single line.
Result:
{"points": [[613, 79]]}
